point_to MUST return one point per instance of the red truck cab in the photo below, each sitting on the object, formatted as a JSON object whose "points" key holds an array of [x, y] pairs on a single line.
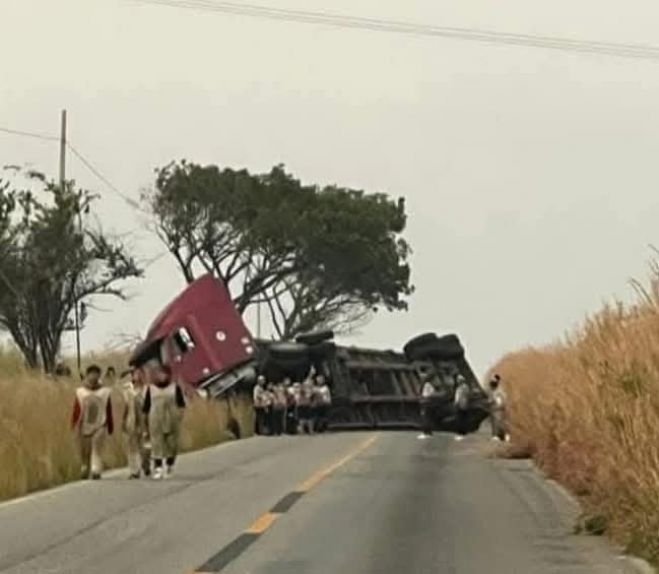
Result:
{"points": [[202, 337]]}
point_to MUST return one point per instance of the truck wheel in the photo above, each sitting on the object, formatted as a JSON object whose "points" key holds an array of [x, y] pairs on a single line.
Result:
{"points": [[420, 341], [446, 348], [315, 337]]}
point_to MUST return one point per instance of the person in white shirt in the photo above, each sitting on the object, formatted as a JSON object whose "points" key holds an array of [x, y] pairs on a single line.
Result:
{"points": [[323, 402], [427, 391], [279, 404], [260, 405], [304, 406], [92, 421], [498, 410], [461, 404], [135, 426], [164, 403]]}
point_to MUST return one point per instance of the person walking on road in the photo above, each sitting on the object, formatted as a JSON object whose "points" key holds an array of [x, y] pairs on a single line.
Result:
{"points": [[92, 421], [259, 399], [461, 404], [427, 391], [498, 410], [135, 425], [164, 403]]}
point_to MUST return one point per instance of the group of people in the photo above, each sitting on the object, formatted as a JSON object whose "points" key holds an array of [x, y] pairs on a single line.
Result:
{"points": [[292, 407], [496, 403], [151, 420]]}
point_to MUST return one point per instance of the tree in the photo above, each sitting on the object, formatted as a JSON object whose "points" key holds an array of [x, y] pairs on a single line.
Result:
{"points": [[353, 262], [317, 257], [51, 259]]}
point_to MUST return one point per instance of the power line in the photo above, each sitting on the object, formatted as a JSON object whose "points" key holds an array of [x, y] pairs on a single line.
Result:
{"points": [[29, 134], [86, 162], [104, 179], [638, 51]]}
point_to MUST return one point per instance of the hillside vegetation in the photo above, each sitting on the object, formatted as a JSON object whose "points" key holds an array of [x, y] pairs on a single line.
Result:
{"points": [[587, 410], [37, 449]]}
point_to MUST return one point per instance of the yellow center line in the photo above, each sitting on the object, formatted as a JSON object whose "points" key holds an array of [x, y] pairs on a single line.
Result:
{"points": [[323, 473], [265, 521], [262, 523]]}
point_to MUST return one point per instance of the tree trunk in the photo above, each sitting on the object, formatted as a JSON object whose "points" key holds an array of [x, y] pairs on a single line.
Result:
{"points": [[49, 346], [28, 349]]}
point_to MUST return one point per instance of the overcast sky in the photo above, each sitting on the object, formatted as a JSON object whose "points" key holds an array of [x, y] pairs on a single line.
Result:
{"points": [[530, 174]]}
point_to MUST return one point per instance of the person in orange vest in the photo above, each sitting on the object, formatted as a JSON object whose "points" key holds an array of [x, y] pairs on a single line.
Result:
{"points": [[92, 421]]}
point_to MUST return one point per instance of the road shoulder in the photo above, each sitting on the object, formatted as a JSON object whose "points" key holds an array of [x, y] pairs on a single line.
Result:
{"points": [[566, 504]]}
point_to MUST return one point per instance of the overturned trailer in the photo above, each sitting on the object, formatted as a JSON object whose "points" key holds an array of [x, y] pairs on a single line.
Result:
{"points": [[381, 389], [201, 335]]}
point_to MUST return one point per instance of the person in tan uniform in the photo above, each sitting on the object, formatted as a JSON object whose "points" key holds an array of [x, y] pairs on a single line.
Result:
{"points": [[163, 405], [269, 403], [304, 406], [260, 413], [92, 421], [279, 404], [498, 403], [135, 425]]}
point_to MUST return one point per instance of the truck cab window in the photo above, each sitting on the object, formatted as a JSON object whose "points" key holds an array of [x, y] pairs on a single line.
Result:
{"points": [[183, 340]]}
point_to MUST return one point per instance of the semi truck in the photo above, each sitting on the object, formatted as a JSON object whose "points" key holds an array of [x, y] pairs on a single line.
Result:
{"points": [[203, 338]]}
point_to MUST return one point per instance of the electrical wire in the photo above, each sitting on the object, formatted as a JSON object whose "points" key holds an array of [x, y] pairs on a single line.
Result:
{"points": [[638, 51], [34, 135], [88, 164]]}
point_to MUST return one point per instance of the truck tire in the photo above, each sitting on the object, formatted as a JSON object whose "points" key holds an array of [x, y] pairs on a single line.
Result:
{"points": [[315, 337], [449, 346], [286, 360], [446, 348], [288, 351], [419, 343]]}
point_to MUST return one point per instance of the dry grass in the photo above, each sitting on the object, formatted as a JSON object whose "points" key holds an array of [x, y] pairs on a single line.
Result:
{"points": [[587, 410], [37, 449]]}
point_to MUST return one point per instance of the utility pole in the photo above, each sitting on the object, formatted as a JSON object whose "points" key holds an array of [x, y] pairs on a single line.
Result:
{"points": [[62, 182]]}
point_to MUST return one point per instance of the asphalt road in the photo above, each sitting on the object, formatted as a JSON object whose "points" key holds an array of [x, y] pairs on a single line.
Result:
{"points": [[353, 503]]}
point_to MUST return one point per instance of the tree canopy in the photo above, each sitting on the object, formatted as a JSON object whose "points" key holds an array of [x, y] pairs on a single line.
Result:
{"points": [[316, 256], [50, 259]]}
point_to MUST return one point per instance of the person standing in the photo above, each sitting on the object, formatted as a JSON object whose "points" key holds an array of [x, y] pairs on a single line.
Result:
{"points": [[427, 391], [323, 403], [304, 406], [498, 409], [279, 403], [461, 404], [92, 421], [259, 405], [269, 399], [291, 409], [164, 403], [135, 425]]}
